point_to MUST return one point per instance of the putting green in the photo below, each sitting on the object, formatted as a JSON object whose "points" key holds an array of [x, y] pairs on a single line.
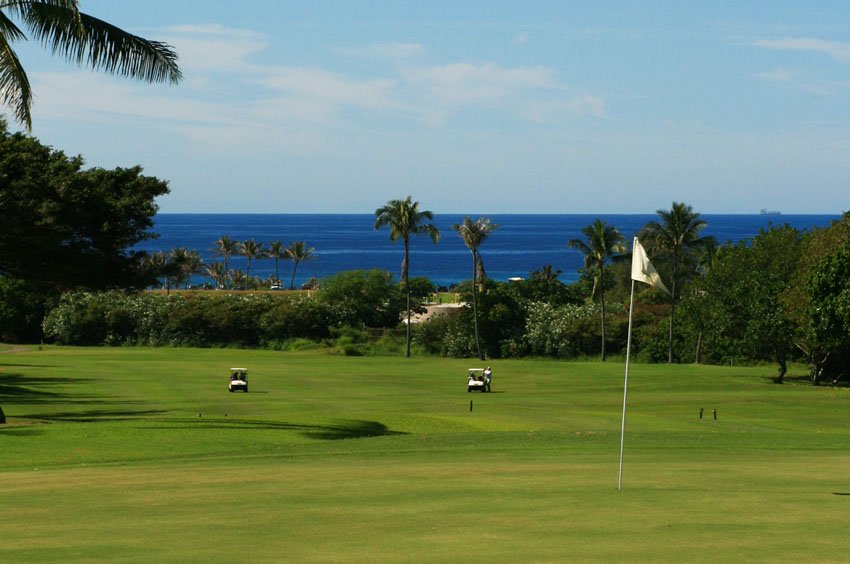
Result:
{"points": [[142, 455]]}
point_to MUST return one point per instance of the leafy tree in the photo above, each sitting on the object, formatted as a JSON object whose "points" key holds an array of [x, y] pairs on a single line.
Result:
{"points": [[67, 227], [829, 313], [404, 220], [602, 241], [252, 251], [225, 247], [297, 252], [81, 39], [368, 298], [675, 237], [739, 304], [277, 251], [816, 246], [473, 234]]}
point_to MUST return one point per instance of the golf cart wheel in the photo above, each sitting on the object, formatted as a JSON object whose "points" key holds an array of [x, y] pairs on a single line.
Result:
{"points": [[230, 390], [246, 389]]}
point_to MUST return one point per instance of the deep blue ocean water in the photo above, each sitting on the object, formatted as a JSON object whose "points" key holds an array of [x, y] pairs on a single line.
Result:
{"points": [[520, 245]]}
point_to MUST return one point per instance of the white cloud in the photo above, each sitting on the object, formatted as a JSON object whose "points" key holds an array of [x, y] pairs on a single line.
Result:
{"points": [[465, 84], [329, 87], [214, 48], [521, 38], [836, 50]]}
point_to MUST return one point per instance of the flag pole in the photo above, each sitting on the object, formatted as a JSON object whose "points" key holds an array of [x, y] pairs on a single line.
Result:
{"points": [[626, 385]]}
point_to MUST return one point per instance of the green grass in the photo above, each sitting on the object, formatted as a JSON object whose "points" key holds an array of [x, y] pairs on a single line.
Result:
{"points": [[141, 455]]}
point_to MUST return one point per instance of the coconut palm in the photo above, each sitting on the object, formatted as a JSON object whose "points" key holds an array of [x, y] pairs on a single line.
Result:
{"points": [[82, 39], [601, 242], [251, 250], [217, 273], [404, 219], [157, 265], [677, 234], [474, 233], [547, 273], [277, 251], [297, 252], [225, 247], [184, 263]]}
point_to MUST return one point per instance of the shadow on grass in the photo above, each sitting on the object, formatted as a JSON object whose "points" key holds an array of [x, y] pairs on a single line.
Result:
{"points": [[95, 415], [17, 388], [350, 429], [806, 379], [343, 429], [20, 431]]}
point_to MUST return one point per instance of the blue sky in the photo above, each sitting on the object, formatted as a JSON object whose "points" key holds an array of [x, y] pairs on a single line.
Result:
{"points": [[471, 107]]}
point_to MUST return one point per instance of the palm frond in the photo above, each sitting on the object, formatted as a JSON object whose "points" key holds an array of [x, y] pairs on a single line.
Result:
{"points": [[15, 91], [89, 41]]}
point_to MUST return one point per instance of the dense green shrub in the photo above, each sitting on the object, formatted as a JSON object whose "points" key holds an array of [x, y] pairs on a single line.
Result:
{"points": [[368, 298]]}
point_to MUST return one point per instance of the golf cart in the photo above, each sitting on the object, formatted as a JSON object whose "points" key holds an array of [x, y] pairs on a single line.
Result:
{"points": [[238, 379], [478, 379]]}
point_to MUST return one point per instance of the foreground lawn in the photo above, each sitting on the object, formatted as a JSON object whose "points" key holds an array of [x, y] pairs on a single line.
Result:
{"points": [[141, 455]]}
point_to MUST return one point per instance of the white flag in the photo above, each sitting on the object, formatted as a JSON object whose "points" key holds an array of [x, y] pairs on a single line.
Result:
{"points": [[642, 269]]}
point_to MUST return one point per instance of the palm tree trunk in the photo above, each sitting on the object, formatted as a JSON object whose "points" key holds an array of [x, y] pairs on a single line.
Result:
{"points": [[407, 289], [672, 309], [276, 273], [602, 303], [294, 270], [475, 303], [248, 273]]}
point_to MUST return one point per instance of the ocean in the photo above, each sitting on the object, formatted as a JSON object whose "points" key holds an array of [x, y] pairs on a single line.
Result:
{"points": [[521, 244]]}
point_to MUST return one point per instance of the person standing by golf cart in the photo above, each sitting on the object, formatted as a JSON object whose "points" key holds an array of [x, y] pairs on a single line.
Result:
{"points": [[487, 375]]}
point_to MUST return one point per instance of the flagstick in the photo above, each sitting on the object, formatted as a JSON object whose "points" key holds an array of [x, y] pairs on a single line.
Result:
{"points": [[626, 385]]}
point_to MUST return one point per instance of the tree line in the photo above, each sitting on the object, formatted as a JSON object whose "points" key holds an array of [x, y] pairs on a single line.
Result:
{"points": [[176, 267], [781, 297]]}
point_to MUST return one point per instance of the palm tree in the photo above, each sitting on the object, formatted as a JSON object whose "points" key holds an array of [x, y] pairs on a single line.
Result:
{"points": [[474, 233], [602, 241], [225, 247], [184, 263], [404, 219], [157, 263], [277, 251], [217, 273], [251, 250], [297, 252], [82, 39], [547, 273], [677, 234]]}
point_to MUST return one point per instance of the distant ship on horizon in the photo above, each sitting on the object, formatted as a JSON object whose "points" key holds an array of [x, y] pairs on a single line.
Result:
{"points": [[765, 211]]}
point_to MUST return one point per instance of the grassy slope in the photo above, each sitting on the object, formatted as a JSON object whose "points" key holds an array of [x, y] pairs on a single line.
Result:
{"points": [[142, 455]]}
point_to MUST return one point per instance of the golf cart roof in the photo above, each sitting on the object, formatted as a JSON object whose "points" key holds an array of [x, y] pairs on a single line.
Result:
{"points": [[476, 370], [239, 370]]}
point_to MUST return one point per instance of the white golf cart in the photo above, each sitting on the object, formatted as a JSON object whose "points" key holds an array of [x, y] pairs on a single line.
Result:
{"points": [[238, 379], [478, 379]]}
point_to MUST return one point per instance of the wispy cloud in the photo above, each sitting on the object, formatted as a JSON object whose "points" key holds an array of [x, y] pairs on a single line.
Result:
{"points": [[776, 75], [550, 111], [227, 96], [521, 38], [390, 51], [464, 83], [835, 49]]}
